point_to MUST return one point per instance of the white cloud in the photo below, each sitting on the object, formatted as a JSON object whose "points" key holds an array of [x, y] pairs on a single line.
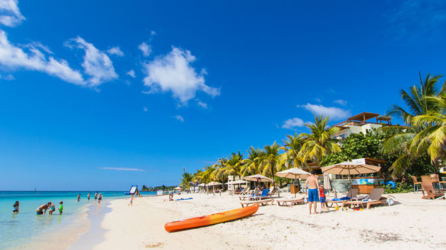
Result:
{"points": [[292, 123], [341, 102], [173, 72], [179, 118], [115, 51], [202, 104], [145, 109], [145, 48], [317, 99], [131, 73], [333, 112], [10, 14], [152, 33], [96, 63], [123, 169], [31, 58]]}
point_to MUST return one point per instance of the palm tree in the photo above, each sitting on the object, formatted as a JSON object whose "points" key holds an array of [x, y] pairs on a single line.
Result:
{"points": [[207, 176], [292, 148], [403, 140], [318, 143], [432, 136], [271, 160], [234, 164], [252, 165], [415, 100], [185, 181]]}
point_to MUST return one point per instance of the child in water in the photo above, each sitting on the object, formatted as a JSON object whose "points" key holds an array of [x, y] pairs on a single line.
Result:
{"points": [[15, 207], [52, 208], [61, 207]]}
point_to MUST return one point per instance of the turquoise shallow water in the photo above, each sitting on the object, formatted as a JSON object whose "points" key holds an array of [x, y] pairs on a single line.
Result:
{"points": [[26, 227]]}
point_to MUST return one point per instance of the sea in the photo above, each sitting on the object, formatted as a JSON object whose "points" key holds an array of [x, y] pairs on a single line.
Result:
{"points": [[26, 230]]}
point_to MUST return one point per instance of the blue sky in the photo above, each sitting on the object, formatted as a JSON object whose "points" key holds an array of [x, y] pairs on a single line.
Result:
{"points": [[102, 95]]}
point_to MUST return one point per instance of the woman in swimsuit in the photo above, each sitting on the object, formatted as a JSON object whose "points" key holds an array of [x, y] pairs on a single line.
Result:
{"points": [[99, 198], [42, 209], [15, 207]]}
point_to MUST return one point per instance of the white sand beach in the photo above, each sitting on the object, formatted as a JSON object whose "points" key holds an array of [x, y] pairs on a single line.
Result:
{"points": [[416, 224]]}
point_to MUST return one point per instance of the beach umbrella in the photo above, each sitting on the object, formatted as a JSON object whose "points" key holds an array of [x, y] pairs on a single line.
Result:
{"points": [[178, 188], [294, 173], [350, 168], [258, 178], [327, 184], [214, 184]]}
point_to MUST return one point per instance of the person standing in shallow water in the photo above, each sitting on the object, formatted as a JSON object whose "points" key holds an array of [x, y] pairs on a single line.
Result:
{"points": [[99, 198], [61, 207], [313, 190], [79, 197], [15, 207], [88, 196], [96, 196]]}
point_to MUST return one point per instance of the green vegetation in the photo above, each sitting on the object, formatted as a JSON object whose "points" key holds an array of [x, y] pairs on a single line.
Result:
{"points": [[416, 148]]}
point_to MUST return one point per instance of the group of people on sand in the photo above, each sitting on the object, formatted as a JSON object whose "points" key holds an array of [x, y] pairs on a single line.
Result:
{"points": [[96, 197], [51, 206], [315, 193]]}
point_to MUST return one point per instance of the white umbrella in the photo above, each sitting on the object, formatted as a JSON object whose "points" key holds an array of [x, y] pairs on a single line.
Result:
{"points": [[214, 184], [350, 168], [178, 188], [202, 185], [293, 173], [258, 177]]}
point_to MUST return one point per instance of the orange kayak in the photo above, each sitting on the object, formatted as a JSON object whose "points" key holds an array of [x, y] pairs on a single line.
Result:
{"points": [[211, 219]]}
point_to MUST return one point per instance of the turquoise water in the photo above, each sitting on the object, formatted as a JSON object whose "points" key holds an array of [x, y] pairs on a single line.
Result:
{"points": [[26, 227]]}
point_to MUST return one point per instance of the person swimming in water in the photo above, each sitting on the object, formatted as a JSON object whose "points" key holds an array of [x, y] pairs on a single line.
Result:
{"points": [[52, 208], [15, 207], [61, 207], [42, 209]]}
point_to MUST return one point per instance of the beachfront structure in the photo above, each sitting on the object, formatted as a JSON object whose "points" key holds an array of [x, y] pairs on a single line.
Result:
{"points": [[360, 123]]}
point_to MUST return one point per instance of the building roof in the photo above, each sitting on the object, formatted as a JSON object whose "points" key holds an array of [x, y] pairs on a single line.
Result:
{"points": [[363, 116]]}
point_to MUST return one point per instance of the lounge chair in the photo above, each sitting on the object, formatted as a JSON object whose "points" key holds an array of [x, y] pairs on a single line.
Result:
{"points": [[261, 202], [238, 191], [291, 202], [352, 194], [264, 195], [431, 193], [245, 191], [373, 199], [415, 183]]}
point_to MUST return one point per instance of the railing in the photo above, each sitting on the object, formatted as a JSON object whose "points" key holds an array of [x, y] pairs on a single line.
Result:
{"points": [[356, 123]]}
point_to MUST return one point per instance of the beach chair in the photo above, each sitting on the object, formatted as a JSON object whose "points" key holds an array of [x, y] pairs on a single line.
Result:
{"points": [[431, 193], [373, 199], [352, 194], [415, 183], [436, 179], [291, 202], [238, 191], [261, 202], [263, 195], [245, 191]]}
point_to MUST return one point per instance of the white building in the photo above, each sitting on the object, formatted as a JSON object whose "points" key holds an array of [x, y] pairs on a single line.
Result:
{"points": [[360, 123]]}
